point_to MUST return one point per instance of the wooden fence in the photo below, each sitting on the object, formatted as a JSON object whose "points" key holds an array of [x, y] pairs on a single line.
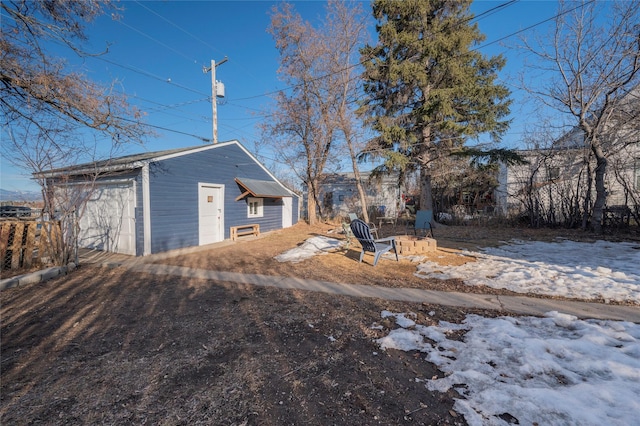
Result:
{"points": [[24, 243]]}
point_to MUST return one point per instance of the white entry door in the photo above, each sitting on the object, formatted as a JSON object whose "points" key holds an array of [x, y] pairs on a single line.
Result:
{"points": [[211, 213], [108, 221]]}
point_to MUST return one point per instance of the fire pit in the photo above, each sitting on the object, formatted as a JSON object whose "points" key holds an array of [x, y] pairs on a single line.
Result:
{"points": [[408, 245]]}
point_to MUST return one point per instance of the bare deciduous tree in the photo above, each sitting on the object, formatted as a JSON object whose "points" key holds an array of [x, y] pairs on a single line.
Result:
{"points": [[347, 30], [300, 125], [53, 115], [591, 64], [314, 116]]}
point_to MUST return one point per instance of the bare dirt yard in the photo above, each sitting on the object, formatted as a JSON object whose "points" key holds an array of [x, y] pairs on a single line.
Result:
{"points": [[111, 346]]}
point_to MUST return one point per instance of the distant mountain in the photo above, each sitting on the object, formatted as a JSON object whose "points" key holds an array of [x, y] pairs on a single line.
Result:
{"points": [[20, 196]]}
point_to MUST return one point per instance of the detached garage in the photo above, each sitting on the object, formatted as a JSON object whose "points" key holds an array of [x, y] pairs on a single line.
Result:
{"points": [[154, 202]]}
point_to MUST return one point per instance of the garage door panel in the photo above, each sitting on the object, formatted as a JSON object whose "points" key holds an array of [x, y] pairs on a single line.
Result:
{"points": [[108, 222]]}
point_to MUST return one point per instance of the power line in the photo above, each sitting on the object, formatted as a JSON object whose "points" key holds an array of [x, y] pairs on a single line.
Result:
{"points": [[534, 25], [167, 129], [484, 14], [148, 74], [187, 33], [490, 11], [176, 26], [477, 17], [154, 39]]}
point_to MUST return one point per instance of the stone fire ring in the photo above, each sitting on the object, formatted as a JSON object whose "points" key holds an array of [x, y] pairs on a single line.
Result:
{"points": [[411, 245]]}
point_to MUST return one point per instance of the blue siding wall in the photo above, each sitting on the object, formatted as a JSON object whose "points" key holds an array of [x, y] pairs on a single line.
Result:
{"points": [[174, 195]]}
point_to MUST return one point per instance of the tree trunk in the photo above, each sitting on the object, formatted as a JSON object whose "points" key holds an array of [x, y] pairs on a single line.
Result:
{"points": [[311, 209], [361, 193], [356, 171], [426, 196], [312, 205], [601, 191], [586, 202]]}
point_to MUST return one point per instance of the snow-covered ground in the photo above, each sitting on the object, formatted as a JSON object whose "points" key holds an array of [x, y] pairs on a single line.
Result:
{"points": [[556, 370], [311, 247], [600, 270], [553, 370]]}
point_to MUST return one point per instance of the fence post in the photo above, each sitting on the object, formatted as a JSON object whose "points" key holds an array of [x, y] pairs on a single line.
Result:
{"points": [[30, 243], [16, 247]]}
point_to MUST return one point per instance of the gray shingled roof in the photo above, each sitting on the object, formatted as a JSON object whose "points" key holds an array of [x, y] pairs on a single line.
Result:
{"points": [[119, 161]]}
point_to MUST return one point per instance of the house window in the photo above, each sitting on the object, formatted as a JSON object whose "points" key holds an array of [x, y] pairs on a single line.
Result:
{"points": [[255, 207], [553, 173]]}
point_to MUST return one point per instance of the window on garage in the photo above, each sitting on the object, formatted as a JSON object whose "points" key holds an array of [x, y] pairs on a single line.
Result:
{"points": [[255, 207]]}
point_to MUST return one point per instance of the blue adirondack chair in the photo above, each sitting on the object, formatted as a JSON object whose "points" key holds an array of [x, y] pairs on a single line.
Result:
{"points": [[423, 222], [372, 227], [376, 246]]}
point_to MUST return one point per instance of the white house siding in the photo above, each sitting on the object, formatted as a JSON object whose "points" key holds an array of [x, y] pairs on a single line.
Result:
{"points": [[340, 194], [627, 165], [558, 176], [620, 143]]}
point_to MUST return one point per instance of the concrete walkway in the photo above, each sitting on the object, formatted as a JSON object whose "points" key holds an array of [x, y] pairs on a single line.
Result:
{"points": [[515, 304]]}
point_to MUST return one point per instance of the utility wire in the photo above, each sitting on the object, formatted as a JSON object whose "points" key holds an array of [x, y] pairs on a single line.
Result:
{"points": [[494, 10], [148, 74], [489, 12], [187, 33], [477, 17], [176, 26], [534, 25], [166, 129], [154, 39]]}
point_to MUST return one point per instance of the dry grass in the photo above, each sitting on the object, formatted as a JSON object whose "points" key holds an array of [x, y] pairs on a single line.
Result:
{"points": [[112, 346]]}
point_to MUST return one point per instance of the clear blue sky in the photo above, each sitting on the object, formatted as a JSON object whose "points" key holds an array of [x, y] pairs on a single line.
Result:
{"points": [[157, 50]]}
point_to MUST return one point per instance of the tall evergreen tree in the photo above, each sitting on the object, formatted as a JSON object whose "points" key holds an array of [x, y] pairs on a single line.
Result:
{"points": [[427, 90]]}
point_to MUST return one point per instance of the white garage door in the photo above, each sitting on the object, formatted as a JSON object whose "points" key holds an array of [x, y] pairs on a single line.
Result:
{"points": [[108, 222]]}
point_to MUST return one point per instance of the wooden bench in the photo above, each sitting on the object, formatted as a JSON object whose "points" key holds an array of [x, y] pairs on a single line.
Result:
{"points": [[240, 230]]}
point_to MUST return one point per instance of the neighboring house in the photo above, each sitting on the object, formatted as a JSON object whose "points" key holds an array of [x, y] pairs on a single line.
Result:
{"points": [[554, 183], [158, 201], [557, 178], [338, 195]]}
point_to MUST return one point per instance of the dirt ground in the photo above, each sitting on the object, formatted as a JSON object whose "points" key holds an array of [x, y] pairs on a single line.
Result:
{"points": [[110, 346]]}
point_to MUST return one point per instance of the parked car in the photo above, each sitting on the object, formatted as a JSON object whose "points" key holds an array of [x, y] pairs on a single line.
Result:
{"points": [[15, 211]]}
